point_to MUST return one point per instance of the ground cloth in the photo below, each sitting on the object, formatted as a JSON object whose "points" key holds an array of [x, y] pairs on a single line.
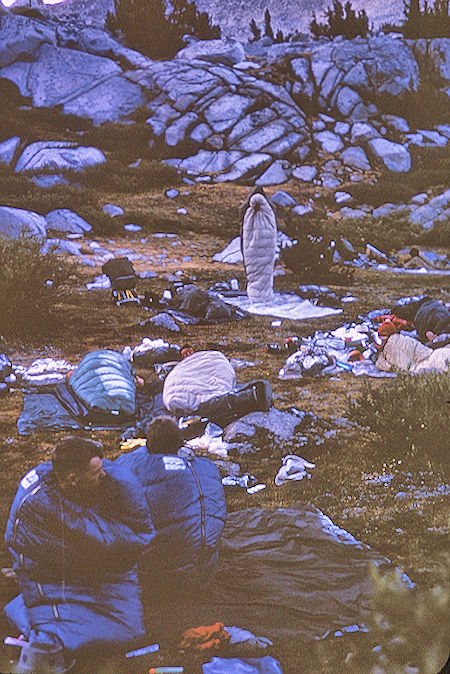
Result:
{"points": [[288, 572], [282, 305], [55, 407]]}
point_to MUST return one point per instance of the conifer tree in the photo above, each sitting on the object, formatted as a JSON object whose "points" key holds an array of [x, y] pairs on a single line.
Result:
{"points": [[145, 26], [268, 31]]}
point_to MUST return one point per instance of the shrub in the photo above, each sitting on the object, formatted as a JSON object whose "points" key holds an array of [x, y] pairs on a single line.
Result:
{"points": [[311, 261], [429, 21], [406, 414], [117, 177], [34, 123], [341, 20], [147, 27], [407, 629], [423, 108], [267, 31], [30, 286]]}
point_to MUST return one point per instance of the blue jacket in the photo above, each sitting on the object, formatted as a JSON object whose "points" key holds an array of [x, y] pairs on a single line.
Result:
{"points": [[188, 510], [76, 565]]}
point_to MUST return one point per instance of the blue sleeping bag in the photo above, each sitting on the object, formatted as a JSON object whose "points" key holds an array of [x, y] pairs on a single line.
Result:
{"points": [[76, 565], [188, 510], [104, 381]]}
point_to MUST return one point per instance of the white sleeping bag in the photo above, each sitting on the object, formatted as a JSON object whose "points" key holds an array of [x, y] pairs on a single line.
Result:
{"points": [[259, 240], [197, 378]]}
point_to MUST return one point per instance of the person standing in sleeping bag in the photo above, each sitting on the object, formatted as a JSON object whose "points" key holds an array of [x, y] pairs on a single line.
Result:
{"points": [[187, 506], [76, 529]]}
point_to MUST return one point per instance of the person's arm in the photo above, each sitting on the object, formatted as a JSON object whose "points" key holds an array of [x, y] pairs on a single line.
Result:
{"points": [[51, 528]]}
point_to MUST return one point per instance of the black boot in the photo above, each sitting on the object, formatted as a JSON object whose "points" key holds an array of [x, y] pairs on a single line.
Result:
{"points": [[252, 397]]}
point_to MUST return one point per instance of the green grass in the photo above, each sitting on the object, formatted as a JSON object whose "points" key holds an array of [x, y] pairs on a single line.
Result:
{"points": [[30, 286], [408, 414]]}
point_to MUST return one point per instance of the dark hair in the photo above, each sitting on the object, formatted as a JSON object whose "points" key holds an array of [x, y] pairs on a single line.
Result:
{"points": [[73, 453], [163, 435]]}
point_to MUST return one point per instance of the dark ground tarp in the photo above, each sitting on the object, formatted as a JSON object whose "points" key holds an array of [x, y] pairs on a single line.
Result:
{"points": [[54, 407], [282, 573]]}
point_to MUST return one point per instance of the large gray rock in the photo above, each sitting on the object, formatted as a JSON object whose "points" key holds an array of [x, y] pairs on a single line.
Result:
{"points": [[329, 141], [362, 132], [84, 84], [53, 154], [224, 112], [214, 51], [276, 174], [246, 168], [8, 149], [306, 173], [65, 220], [179, 129], [355, 157], [262, 137], [96, 41], [206, 162], [277, 422], [347, 100], [61, 246], [16, 221], [21, 35], [282, 199], [394, 156]]}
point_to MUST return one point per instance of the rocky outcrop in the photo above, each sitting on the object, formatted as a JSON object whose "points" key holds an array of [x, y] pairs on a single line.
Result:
{"points": [[65, 220], [58, 155], [15, 221], [231, 111]]}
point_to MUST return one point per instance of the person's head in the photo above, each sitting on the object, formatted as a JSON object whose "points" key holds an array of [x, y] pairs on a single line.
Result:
{"points": [[163, 435], [77, 465], [187, 350]]}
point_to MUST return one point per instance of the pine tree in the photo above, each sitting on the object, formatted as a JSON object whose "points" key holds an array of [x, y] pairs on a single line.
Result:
{"points": [[268, 24], [341, 20], [144, 25], [256, 32]]}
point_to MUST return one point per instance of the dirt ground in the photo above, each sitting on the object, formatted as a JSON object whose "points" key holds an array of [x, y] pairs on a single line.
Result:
{"points": [[413, 536]]}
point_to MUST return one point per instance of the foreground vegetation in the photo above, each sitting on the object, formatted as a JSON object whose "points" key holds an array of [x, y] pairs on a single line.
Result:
{"points": [[378, 446]]}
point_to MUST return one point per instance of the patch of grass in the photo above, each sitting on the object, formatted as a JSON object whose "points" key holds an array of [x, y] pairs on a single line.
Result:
{"points": [[114, 176], [388, 232], [422, 108], [30, 286], [126, 141], [407, 415], [430, 167], [33, 123]]}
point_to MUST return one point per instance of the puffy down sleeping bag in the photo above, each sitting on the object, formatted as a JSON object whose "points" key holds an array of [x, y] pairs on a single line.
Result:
{"points": [[76, 565], [187, 505], [196, 379], [104, 381], [259, 240]]}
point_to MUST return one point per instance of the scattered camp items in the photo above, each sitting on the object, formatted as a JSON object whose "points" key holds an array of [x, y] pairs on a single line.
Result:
{"points": [[123, 280]]}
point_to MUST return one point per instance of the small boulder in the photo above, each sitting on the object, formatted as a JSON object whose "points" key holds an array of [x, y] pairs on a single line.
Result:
{"points": [[394, 156], [65, 220], [214, 51], [8, 149], [305, 173], [15, 221], [53, 154], [112, 210]]}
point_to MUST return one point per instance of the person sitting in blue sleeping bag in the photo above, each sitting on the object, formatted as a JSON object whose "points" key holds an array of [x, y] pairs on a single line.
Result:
{"points": [[76, 529], [187, 505]]}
